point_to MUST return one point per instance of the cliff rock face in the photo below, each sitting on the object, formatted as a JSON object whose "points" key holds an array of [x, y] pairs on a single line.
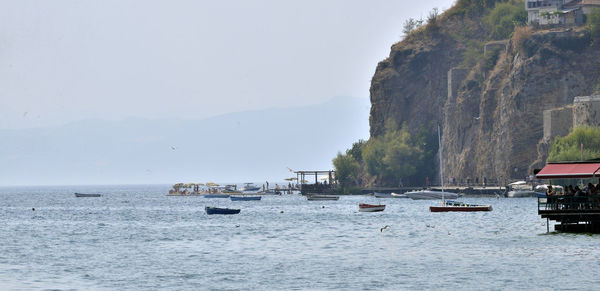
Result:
{"points": [[492, 119]]}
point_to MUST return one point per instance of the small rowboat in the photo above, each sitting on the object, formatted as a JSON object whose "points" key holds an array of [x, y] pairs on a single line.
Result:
{"points": [[317, 197], [216, 195], [216, 210], [86, 195], [363, 207], [453, 206], [245, 198]]}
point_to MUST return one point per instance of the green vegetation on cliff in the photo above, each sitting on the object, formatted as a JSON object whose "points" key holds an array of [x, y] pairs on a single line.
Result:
{"points": [[395, 158], [593, 23], [504, 17], [569, 148]]}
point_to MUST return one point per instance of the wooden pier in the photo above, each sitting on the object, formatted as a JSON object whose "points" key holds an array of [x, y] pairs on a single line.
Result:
{"points": [[573, 213]]}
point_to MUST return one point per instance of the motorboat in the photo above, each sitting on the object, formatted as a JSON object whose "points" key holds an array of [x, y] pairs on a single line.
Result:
{"points": [[250, 187], [398, 195], [382, 195], [521, 193], [230, 189], [216, 195], [430, 195], [215, 210], [245, 198], [317, 197], [86, 195], [454, 206], [363, 207]]}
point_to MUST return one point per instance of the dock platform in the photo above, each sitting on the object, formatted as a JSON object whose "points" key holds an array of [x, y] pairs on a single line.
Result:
{"points": [[573, 214]]}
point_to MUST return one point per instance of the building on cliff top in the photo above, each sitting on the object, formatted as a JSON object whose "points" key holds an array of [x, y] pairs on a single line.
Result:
{"points": [[559, 12]]}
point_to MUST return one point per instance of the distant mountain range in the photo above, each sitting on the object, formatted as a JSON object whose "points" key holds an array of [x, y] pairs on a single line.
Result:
{"points": [[249, 146]]}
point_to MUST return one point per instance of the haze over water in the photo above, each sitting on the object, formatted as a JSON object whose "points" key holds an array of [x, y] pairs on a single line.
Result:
{"points": [[135, 237]]}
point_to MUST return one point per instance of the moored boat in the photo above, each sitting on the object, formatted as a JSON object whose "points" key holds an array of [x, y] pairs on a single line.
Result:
{"points": [[216, 195], [382, 195], [430, 195], [363, 207], [245, 198], [454, 206], [215, 210], [250, 187], [86, 195], [398, 195], [521, 193], [317, 197]]}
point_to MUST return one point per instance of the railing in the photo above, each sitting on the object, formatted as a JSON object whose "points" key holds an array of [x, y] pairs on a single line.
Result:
{"points": [[562, 203]]}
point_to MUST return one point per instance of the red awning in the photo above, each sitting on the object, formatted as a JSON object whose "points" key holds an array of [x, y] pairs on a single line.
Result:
{"points": [[569, 170]]}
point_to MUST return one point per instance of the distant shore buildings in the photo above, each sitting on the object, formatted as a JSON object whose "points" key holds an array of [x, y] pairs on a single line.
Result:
{"points": [[559, 12]]}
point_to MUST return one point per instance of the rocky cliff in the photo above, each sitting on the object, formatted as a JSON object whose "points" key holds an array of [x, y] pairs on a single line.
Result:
{"points": [[491, 115]]}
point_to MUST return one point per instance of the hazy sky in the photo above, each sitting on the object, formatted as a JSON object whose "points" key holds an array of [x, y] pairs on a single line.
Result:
{"points": [[63, 61]]}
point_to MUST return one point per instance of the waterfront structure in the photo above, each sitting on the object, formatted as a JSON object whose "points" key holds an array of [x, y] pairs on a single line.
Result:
{"points": [[327, 184], [573, 213]]}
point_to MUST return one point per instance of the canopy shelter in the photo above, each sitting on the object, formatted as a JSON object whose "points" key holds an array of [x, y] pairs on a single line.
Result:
{"points": [[567, 170], [302, 175]]}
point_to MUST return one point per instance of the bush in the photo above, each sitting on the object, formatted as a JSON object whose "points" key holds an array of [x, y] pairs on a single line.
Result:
{"points": [[593, 23], [568, 148], [473, 54], [520, 37], [346, 169], [503, 19]]}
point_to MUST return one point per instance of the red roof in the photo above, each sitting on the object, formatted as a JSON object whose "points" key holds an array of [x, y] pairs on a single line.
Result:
{"points": [[569, 170]]}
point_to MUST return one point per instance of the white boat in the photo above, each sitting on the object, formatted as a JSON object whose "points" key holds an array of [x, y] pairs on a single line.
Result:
{"points": [[521, 193], [250, 187], [317, 197], [397, 195], [430, 195], [382, 195]]}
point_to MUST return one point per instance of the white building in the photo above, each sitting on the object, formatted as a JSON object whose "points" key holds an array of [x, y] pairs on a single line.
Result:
{"points": [[558, 12]]}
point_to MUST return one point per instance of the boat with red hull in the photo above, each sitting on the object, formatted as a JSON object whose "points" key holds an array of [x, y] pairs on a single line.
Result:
{"points": [[363, 207], [453, 206]]}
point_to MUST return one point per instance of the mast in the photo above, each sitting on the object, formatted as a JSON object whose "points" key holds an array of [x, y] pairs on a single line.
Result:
{"points": [[441, 173]]}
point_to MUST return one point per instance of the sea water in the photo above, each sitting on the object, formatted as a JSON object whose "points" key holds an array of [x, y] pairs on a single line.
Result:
{"points": [[137, 238]]}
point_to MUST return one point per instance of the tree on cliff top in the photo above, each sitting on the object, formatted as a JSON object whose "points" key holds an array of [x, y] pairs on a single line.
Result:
{"points": [[346, 169], [593, 23], [568, 148], [503, 19]]}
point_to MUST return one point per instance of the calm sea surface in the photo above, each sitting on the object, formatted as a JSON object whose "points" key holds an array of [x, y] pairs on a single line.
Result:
{"points": [[136, 238]]}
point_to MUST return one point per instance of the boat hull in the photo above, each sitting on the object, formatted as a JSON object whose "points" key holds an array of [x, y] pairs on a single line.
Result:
{"points": [[521, 194], [460, 208], [224, 211], [245, 198], [430, 195], [382, 195], [216, 195], [396, 195], [370, 208], [314, 197], [86, 195]]}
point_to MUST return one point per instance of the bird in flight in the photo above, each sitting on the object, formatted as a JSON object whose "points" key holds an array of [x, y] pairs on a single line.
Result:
{"points": [[385, 227], [172, 147]]}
